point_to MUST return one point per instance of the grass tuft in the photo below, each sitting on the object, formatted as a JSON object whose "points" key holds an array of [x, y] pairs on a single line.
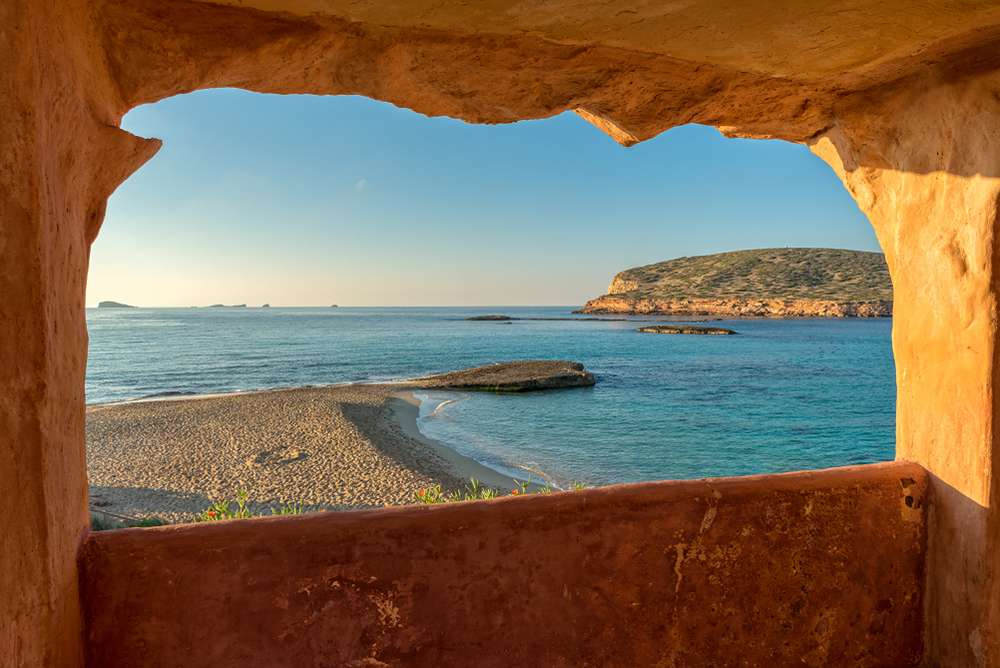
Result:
{"points": [[240, 509], [476, 491]]}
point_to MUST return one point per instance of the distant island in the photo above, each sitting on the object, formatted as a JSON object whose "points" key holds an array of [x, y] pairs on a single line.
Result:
{"points": [[774, 282], [228, 306], [113, 305]]}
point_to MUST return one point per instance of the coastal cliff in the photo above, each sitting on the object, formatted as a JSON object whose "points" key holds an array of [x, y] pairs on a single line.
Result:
{"points": [[774, 283]]}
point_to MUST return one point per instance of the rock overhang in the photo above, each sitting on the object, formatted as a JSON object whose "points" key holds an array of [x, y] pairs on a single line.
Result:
{"points": [[783, 39], [633, 70]]}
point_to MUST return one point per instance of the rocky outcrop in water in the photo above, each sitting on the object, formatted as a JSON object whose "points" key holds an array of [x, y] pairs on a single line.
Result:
{"points": [[114, 305], [687, 329], [520, 376]]}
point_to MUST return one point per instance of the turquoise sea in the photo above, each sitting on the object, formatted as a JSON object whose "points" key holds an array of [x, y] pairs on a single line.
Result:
{"points": [[783, 395]]}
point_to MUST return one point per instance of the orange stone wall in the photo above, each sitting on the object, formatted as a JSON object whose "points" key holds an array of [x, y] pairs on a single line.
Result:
{"points": [[61, 156], [925, 167], [811, 569]]}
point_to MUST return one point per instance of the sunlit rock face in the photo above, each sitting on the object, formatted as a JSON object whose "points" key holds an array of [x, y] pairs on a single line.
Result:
{"points": [[758, 283], [738, 308], [633, 69], [900, 98]]}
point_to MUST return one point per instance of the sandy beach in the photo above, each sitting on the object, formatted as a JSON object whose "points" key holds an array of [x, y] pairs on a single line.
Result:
{"points": [[333, 448]]}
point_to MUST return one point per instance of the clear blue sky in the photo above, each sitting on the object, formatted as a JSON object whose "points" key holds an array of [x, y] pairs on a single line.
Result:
{"points": [[301, 200]]}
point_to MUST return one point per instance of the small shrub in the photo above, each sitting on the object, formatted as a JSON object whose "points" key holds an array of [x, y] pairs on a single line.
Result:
{"points": [[103, 522], [149, 522], [476, 491], [226, 510], [288, 509]]}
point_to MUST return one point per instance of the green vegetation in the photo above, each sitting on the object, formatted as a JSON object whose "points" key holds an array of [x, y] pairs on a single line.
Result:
{"points": [[239, 509], [103, 522], [476, 491], [774, 273]]}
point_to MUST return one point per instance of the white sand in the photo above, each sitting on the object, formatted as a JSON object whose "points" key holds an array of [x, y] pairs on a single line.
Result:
{"points": [[354, 446]]}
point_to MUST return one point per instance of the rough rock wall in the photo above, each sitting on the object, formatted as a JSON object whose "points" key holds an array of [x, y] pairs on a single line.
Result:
{"points": [[60, 157], [507, 63], [620, 284], [924, 165], [156, 50]]}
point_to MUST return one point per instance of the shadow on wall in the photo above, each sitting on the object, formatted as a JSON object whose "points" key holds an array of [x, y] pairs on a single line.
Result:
{"points": [[957, 530]]}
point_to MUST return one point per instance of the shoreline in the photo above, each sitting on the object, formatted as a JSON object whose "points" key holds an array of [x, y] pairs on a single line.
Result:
{"points": [[625, 303], [336, 447], [194, 396], [405, 408]]}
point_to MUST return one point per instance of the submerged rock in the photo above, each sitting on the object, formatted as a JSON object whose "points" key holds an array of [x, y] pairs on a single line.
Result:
{"points": [[500, 318], [521, 376], [686, 329]]}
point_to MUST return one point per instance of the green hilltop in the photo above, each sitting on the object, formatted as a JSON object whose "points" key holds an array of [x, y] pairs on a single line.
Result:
{"points": [[772, 273]]}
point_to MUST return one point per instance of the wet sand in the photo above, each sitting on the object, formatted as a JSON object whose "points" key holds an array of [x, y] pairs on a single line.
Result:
{"points": [[333, 448]]}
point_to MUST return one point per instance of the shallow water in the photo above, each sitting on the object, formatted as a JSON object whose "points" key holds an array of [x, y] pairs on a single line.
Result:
{"points": [[783, 395]]}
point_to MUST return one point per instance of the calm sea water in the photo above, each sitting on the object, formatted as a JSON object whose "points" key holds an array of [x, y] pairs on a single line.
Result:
{"points": [[781, 396]]}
